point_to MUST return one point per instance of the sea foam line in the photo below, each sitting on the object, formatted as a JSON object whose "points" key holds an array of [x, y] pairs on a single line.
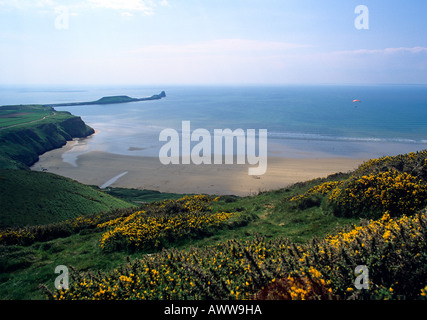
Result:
{"points": [[318, 137]]}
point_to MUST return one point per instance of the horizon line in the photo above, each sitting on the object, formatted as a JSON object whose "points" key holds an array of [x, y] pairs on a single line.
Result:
{"points": [[203, 84]]}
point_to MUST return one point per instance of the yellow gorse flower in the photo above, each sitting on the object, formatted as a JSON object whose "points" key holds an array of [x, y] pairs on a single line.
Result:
{"points": [[323, 188], [143, 229], [392, 191], [242, 269]]}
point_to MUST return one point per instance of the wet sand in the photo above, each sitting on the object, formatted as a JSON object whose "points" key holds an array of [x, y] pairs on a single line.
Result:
{"points": [[107, 169]]}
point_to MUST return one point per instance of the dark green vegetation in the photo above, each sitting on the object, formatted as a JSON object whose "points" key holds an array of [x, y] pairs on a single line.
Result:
{"points": [[139, 197], [29, 131], [34, 198], [110, 100]]}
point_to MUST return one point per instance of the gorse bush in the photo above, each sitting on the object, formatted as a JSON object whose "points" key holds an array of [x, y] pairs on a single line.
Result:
{"points": [[369, 196], [298, 286], [156, 226], [322, 188], [28, 235], [159, 224], [395, 252], [397, 185], [393, 249], [142, 231], [313, 196], [413, 163], [164, 223]]}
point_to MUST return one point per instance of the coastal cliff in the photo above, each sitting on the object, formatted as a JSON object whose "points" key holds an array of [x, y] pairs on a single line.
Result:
{"points": [[21, 146], [28, 131]]}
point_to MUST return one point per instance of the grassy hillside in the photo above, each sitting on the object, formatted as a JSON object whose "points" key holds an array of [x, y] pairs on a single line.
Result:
{"points": [[301, 242], [29, 131], [33, 198], [15, 115], [26, 263], [139, 197]]}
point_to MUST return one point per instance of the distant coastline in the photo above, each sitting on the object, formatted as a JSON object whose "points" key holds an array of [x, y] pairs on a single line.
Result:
{"points": [[28, 131], [108, 100]]}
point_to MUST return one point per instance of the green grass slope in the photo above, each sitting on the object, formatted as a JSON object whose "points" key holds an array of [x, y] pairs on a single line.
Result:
{"points": [[140, 196], [29, 131], [34, 198], [15, 115]]}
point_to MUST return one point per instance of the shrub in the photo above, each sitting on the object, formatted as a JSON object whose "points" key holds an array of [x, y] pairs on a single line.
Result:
{"points": [[397, 185], [163, 223], [370, 196], [28, 235], [298, 286], [413, 163]]}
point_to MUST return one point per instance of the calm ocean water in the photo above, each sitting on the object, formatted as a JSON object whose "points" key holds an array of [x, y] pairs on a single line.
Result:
{"points": [[302, 121]]}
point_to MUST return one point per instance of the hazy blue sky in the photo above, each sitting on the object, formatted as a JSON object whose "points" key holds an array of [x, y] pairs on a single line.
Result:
{"points": [[211, 42]]}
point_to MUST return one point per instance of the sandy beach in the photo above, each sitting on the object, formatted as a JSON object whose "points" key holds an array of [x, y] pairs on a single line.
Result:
{"points": [[107, 169]]}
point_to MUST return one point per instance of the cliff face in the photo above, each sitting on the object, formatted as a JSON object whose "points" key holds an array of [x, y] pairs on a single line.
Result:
{"points": [[76, 128], [21, 147]]}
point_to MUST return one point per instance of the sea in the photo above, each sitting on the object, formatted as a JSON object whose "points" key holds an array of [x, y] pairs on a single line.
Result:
{"points": [[303, 121]]}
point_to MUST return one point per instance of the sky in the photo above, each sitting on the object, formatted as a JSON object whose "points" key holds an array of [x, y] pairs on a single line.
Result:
{"points": [[212, 42]]}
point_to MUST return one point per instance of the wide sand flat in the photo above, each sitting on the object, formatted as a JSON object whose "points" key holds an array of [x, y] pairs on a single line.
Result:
{"points": [[98, 168]]}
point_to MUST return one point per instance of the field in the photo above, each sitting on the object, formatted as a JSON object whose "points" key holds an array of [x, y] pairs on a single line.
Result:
{"points": [[17, 115]]}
